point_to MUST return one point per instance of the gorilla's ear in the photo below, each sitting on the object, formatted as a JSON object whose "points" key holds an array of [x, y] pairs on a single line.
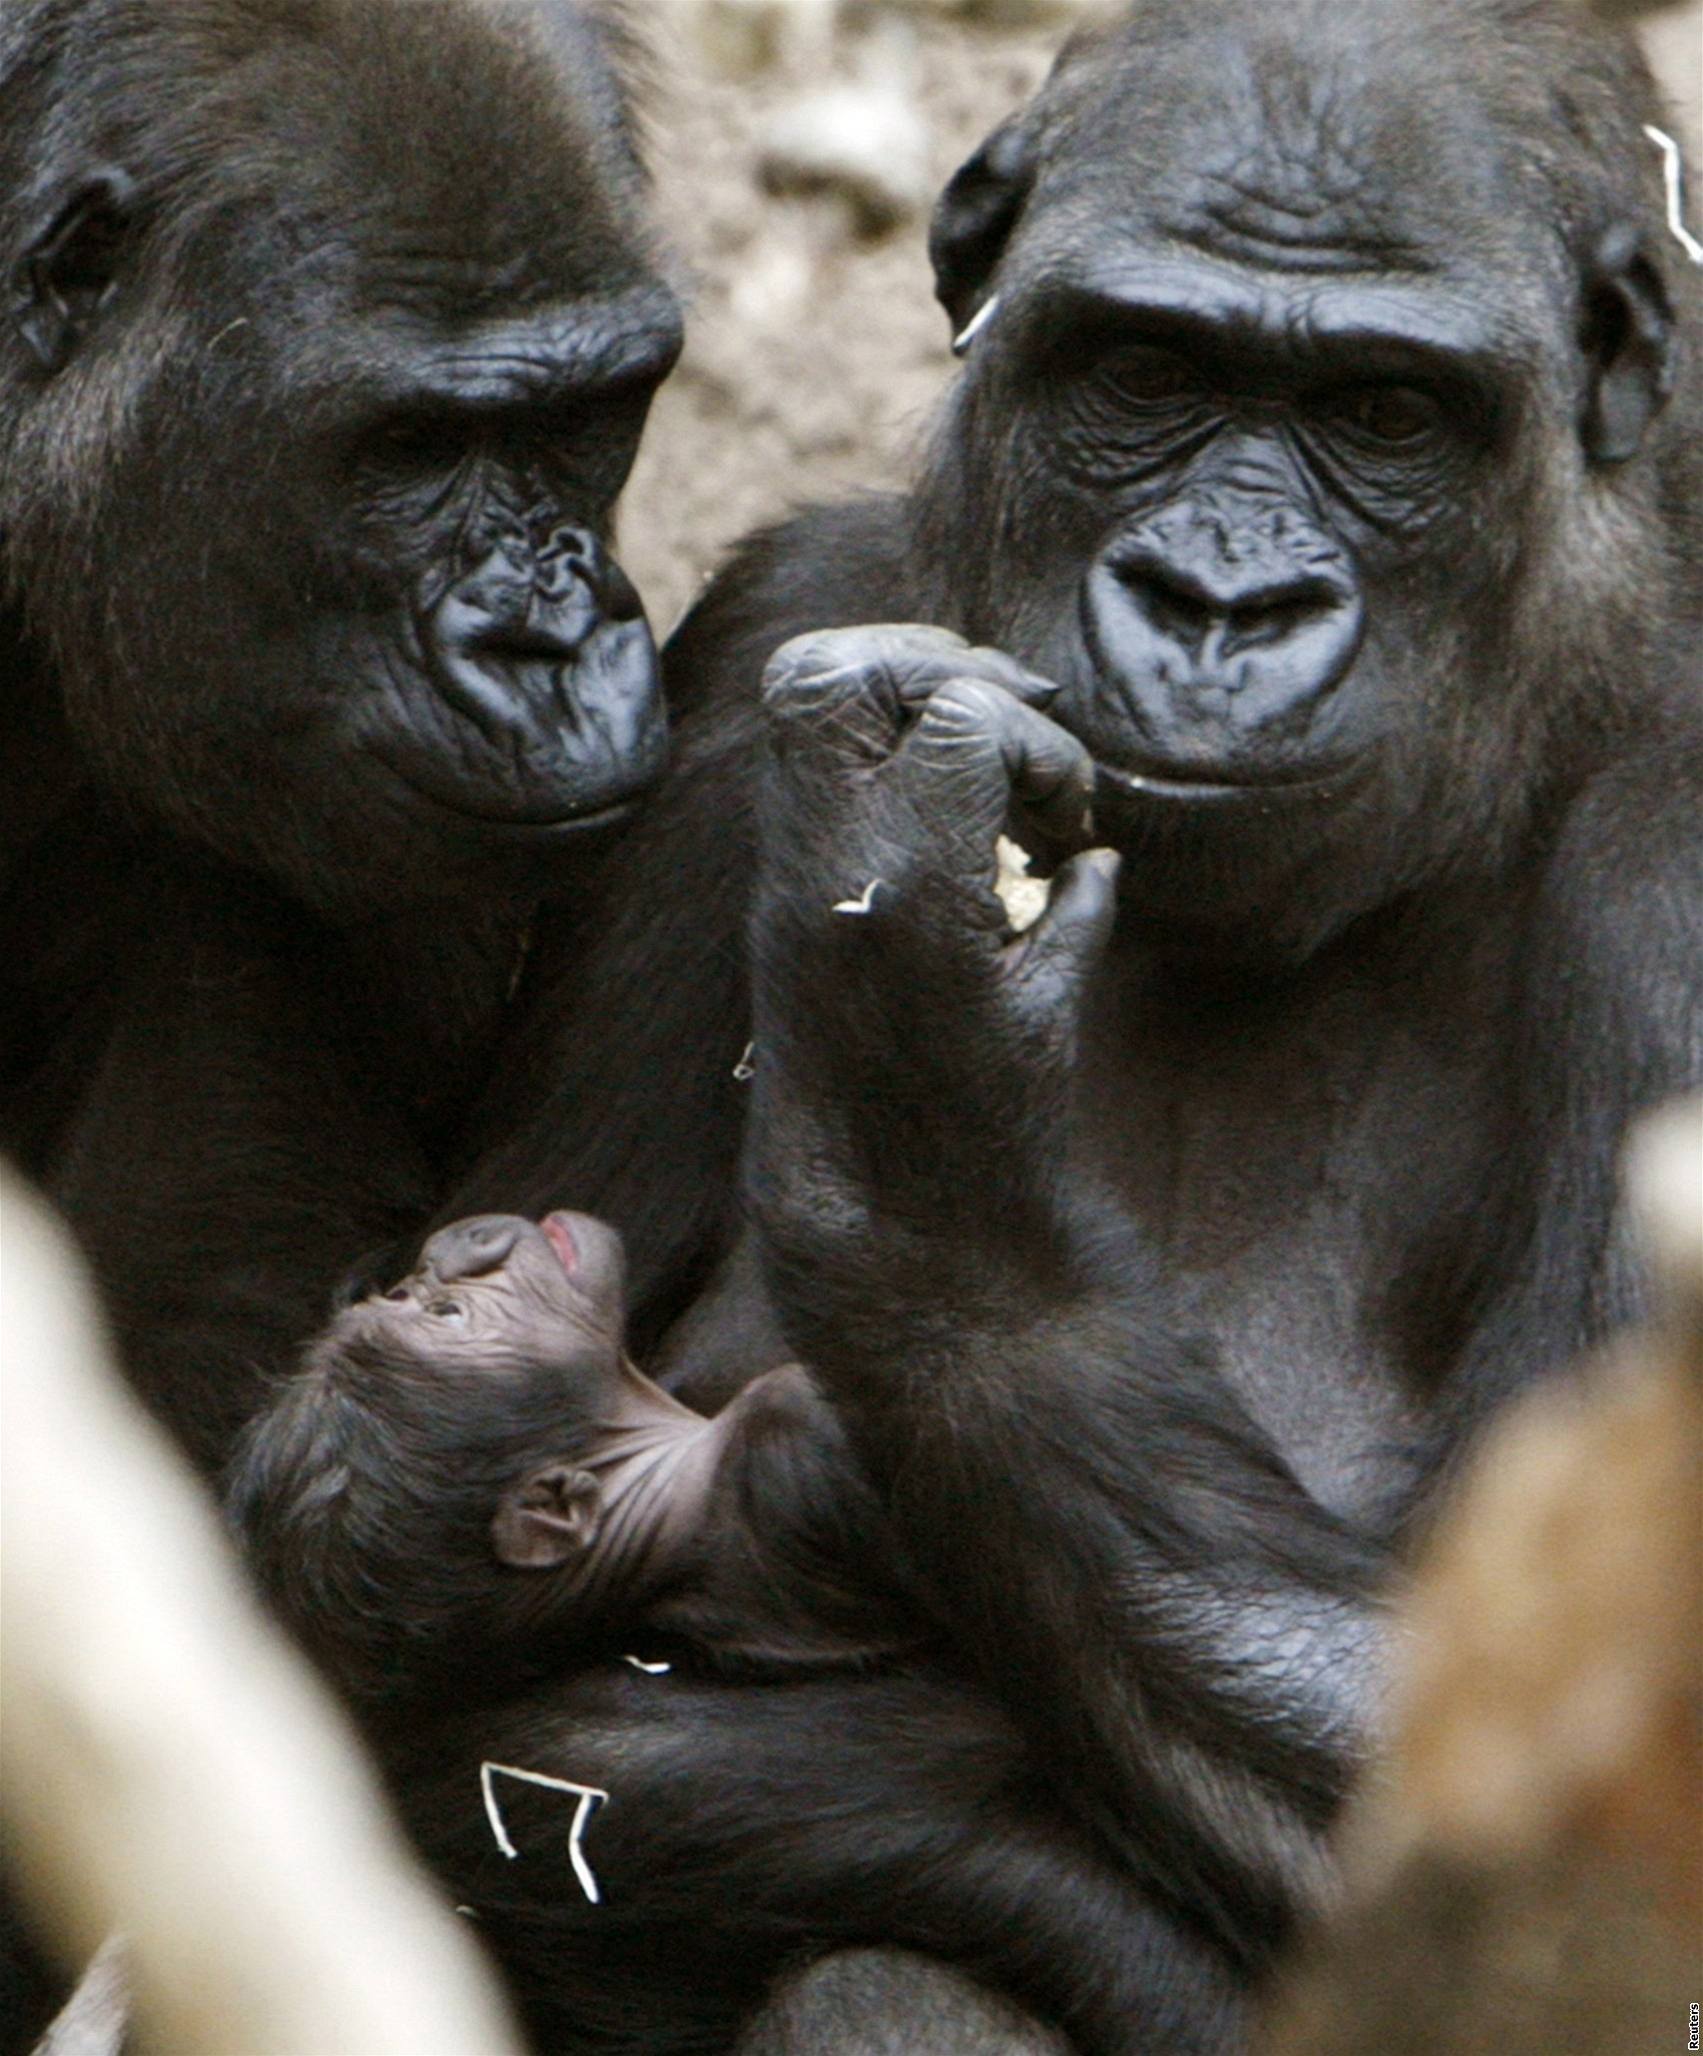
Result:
{"points": [[66, 271], [551, 1516], [976, 214], [1628, 340]]}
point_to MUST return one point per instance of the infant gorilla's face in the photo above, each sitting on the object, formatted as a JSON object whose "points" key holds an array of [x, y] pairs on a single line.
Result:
{"points": [[500, 1359], [496, 1293]]}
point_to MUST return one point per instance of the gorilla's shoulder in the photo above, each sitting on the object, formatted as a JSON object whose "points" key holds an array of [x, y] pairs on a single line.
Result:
{"points": [[829, 566]]}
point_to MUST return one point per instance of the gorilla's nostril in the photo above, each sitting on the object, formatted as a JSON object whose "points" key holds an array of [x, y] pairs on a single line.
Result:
{"points": [[1189, 609], [1270, 617], [566, 540], [564, 555], [1175, 611]]}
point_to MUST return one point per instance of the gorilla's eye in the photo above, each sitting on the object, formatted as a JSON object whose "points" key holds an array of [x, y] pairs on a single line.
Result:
{"points": [[420, 440], [1151, 376], [1393, 414], [447, 1309], [400, 1294]]}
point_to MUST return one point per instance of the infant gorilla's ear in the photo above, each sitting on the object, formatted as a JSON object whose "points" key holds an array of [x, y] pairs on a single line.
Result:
{"points": [[551, 1515]]}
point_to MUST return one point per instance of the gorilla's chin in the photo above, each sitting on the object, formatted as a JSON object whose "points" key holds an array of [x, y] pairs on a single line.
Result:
{"points": [[578, 796], [535, 743]]}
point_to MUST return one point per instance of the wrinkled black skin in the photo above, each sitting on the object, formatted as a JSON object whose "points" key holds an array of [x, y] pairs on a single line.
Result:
{"points": [[805, 1774], [326, 343], [1161, 1283]]}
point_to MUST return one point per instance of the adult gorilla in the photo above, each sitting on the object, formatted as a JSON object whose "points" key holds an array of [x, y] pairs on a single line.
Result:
{"points": [[1329, 440], [327, 337]]}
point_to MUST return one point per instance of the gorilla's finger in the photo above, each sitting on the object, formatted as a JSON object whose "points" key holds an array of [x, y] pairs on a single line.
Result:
{"points": [[905, 660], [1060, 951], [825, 707], [975, 750], [918, 674]]}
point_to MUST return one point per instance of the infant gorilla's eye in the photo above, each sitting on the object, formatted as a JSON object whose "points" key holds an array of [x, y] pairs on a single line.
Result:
{"points": [[1148, 375], [1393, 414], [400, 1294], [447, 1309]]}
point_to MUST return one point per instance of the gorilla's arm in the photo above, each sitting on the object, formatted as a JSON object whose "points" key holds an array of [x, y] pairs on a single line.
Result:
{"points": [[1611, 1027], [615, 1087], [747, 1823], [178, 1094], [1101, 1526], [1097, 1518]]}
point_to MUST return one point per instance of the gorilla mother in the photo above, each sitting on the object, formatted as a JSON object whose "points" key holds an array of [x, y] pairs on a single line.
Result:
{"points": [[1326, 465], [327, 335]]}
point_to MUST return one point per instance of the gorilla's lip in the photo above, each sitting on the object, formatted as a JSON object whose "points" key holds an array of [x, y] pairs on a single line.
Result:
{"points": [[521, 826], [521, 823], [1183, 786], [561, 1239]]}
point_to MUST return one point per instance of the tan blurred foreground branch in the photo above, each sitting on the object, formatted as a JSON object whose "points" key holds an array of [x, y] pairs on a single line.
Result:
{"points": [[167, 1767]]}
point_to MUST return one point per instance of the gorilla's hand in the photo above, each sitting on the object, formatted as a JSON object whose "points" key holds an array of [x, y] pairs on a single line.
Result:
{"points": [[913, 1056]]}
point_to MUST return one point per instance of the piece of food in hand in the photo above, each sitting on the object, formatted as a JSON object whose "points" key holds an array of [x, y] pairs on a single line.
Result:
{"points": [[1024, 898]]}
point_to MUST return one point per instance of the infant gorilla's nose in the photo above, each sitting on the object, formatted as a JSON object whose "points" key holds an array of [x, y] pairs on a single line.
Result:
{"points": [[465, 1249]]}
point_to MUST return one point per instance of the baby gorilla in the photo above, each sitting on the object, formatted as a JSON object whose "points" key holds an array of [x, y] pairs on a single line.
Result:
{"points": [[480, 1420], [470, 1506]]}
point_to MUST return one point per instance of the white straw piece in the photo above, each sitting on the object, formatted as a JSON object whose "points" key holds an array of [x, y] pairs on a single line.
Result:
{"points": [[973, 327], [590, 1798], [863, 904], [1671, 168]]}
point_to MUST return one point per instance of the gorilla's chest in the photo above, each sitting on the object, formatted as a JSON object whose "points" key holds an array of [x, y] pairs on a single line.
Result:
{"points": [[1314, 1181]]}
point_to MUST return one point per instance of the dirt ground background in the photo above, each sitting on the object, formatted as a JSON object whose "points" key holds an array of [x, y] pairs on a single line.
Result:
{"points": [[816, 351]]}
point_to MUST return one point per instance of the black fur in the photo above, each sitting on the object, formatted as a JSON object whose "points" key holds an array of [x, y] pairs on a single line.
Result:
{"points": [[326, 335], [1160, 1349], [802, 1771]]}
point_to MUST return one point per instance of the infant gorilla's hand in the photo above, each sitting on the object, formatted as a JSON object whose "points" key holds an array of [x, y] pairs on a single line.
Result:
{"points": [[896, 1011]]}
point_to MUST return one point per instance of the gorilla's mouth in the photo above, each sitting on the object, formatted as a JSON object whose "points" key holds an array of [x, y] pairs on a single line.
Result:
{"points": [[1135, 803], [518, 738], [1174, 722], [561, 1239], [525, 698]]}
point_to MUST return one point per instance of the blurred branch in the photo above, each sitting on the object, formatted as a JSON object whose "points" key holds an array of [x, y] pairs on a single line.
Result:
{"points": [[167, 1767]]}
